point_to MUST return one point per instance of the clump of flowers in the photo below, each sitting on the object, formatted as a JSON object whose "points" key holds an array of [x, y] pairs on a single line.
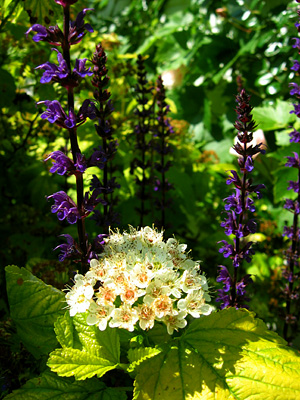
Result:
{"points": [[239, 208], [140, 278]]}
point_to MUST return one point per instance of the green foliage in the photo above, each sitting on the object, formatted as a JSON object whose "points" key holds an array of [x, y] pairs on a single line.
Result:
{"points": [[205, 45], [86, 351], [215, 358], [34, 307], [49, 386]]}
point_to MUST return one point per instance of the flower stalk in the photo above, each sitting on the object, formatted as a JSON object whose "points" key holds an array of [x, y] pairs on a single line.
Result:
{"points": [[66, 208], [238, 208], [163, 148]]}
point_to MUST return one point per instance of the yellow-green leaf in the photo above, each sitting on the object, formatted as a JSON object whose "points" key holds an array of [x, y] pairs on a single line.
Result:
{"points": [[226, 355]]}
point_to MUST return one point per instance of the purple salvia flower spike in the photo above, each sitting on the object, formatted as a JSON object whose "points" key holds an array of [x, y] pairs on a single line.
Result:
{"points": [[238, 207]]}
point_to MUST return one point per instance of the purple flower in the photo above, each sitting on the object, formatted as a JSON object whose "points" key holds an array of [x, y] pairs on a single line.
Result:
{"points": [[65, 207], [78, 27], [55, 113], [295, 89], [241, 286], [256, 189], [250, 204], [41, 31], [87, 110], [224, 276], [249, 164], [81, 163], [234, 179], [296, 66], [61, 164], [288, 232], [69, 249], [229, 224], [234, 202], [296, 45], [292, 205], [53, 34], [293, 186], [92, 200], [54, 72], [296, 110], [294, 136], [80, 69], [293, 162], [227, 249]]}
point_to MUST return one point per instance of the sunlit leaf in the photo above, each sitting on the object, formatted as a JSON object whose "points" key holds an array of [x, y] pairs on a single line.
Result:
{"points": [[227, 355], [77, 363], [86, 350]]}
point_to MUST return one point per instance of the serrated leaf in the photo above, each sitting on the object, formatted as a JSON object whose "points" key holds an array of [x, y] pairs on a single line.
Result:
{"points": [[78, 363], [64, 331], [227, 355], [273, 117], [86, 351], [138, 355], [51, 386], [105, 344], [34, 307]]}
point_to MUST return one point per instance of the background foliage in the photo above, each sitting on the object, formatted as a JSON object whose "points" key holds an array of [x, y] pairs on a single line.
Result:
{"points": [[201, 47]]}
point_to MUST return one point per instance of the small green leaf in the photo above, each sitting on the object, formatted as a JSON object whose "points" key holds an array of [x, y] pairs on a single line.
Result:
{"points": [[34, 307], [77, 363], [226, 355], [64, 331], [49, 386]]}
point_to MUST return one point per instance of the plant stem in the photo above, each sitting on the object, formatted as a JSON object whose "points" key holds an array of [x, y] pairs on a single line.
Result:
{"points": [[74, 144]]}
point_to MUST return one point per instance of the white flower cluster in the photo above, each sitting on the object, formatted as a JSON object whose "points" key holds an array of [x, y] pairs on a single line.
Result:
{"points": [[140, 278]]}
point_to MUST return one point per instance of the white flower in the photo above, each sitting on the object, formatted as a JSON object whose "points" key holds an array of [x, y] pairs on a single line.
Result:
{"points": [[146, 316], [106, 295], [194, 304], [124, 317], [99, 314], [97, 271], [130, 294], [155, 290], [191, 280], [171, 279], [79, 298], [174, 321], [162, 306], [150, 235], [141, 275]]}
